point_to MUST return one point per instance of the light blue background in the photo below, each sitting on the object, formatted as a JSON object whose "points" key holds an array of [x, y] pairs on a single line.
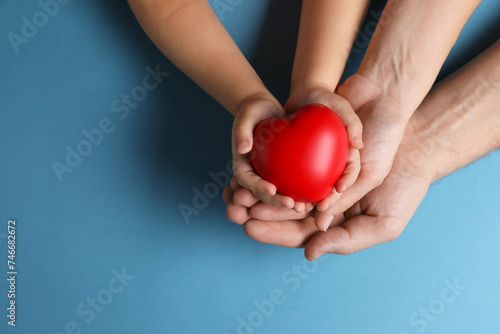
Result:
{"points": [[118, 210]]}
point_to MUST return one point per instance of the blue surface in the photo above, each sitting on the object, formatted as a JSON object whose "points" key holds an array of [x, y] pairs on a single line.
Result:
{"points": [[116, 213]]}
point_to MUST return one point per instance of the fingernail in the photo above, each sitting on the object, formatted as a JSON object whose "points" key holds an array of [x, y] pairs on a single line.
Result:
{"points": [[327, 223], [358, 141], [242, 145], [271, 190]]}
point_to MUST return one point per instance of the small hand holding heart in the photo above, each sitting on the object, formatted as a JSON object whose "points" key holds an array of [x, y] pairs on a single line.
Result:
{"points": [[304, 154]]}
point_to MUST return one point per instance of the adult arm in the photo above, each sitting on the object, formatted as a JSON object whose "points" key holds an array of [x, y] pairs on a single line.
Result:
{"points": [[403, 59]]}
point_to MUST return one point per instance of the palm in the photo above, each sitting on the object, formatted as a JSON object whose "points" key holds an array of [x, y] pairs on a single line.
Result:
{"points": [[382, 135], [378, 217]]}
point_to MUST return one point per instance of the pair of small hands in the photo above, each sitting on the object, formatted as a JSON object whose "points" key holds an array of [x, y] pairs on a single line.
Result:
{"points": [[256, 109], [364, 209]]}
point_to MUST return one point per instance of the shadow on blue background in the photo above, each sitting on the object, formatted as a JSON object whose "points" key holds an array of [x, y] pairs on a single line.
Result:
{"points": [[184, 133]]}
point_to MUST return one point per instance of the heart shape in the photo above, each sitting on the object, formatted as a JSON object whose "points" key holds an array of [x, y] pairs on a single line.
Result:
{"points": [[304, 154]]}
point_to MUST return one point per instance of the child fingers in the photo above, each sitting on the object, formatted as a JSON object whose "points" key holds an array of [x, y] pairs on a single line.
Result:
{"points": [[355, 133], [263, 190], [263, 211], [247, 119], [299, 207], [328, 201], [280, 201], [351, 172], [309, 206], [246, 177], [243, 134], [351, 120]]}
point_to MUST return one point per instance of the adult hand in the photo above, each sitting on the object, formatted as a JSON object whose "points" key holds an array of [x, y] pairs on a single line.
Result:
{"points": [[378, 217], [383, 131]]}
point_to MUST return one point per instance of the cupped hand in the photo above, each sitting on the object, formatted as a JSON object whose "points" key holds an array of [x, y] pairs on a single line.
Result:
{"points": [[378, 217], [252, 111], [383, 131], [309, 94]]}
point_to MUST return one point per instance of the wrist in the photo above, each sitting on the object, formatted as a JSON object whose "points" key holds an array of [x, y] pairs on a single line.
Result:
{"points": [[394, 86], [302, 87], [308, 92], [259, 95], [403, 71], [416, 154]]}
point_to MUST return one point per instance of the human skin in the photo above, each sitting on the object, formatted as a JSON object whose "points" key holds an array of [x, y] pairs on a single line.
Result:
{"points": [[403, 59], [458, 122], [326, 33], [210, 57]]}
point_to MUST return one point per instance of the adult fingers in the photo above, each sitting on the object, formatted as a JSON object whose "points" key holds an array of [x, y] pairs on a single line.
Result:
{"points": [[234, 184], [351, 120], [227, 195], [358, 233], [262, 189], [365, 183], [328, 201], [294, 233], [237, 214], [244, 197]]}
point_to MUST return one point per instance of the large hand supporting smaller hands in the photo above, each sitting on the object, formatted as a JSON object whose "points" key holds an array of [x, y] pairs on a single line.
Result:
{"points": [[378, 217], [383, 131]]}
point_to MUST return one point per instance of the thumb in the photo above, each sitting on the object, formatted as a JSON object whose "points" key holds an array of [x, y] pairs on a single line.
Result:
{"points": [[247, 119], [243, 133], [358, 90], [356, 234]]}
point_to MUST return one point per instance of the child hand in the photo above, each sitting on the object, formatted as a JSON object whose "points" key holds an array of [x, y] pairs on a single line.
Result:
{"points": [[354, 131], [243, 206], [253, 110]]}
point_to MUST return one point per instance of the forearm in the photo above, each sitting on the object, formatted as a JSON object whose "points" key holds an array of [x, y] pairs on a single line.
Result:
{"points": [[191, 36], [410, 45], [460, 119], [326, 34]]}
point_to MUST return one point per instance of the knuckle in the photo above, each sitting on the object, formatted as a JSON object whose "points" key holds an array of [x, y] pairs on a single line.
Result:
{"points": [[238, 171], [240, 131], [356, 121], [344, 104]]}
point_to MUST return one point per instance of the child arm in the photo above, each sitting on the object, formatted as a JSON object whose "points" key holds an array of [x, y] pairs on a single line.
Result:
{"points": [[192, 37]]}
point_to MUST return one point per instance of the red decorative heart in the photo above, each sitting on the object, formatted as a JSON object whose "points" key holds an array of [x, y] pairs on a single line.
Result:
{"points": [[304, 154]]}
